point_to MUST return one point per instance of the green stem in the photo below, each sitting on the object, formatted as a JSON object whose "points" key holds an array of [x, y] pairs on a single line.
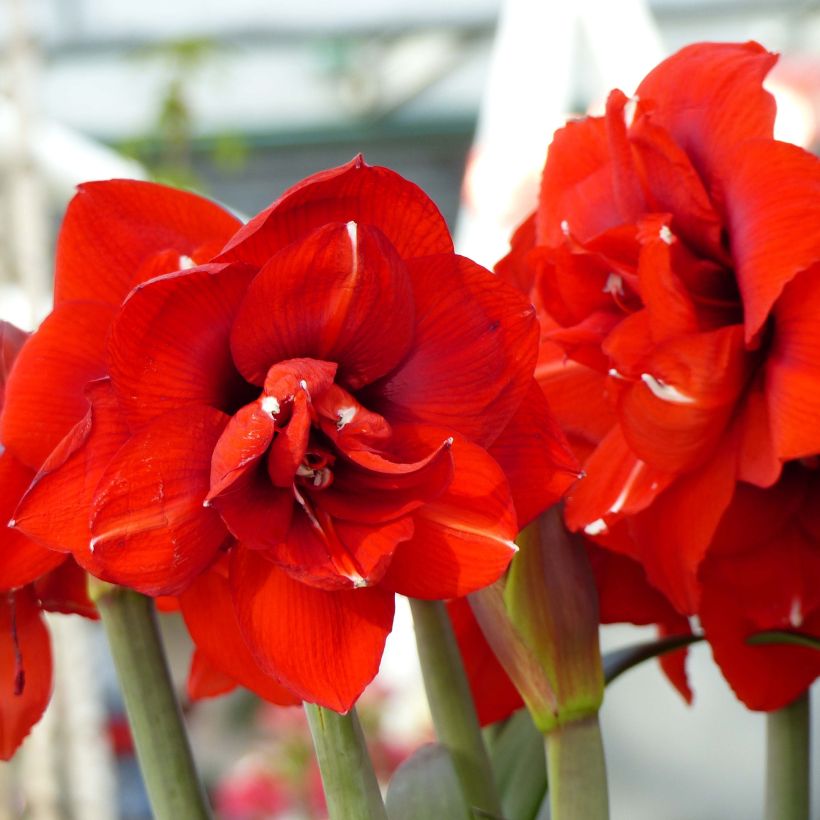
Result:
{"points": [[451, 705], [787, 761], [163, 752], [350, 785], [576, 771]]}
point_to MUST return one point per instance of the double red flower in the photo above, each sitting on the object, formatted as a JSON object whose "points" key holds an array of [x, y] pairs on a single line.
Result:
{"points": [[283, 423], [675, 255]]}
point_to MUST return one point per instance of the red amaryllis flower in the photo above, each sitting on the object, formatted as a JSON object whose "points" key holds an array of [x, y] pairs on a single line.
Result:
{"points": [[335, 399], [674, 255]]}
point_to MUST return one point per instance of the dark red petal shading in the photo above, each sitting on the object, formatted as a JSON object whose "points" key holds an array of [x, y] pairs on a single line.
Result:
{"points": [[150, 529], [45, 393], [710, 97], [473, 355], [792, 370], [494, 695], [56, 509], [169, 344], [331, 295], [65, 590], [209, 615], [21, 559], [355, 191], [325, 646], [12, 340], [535, 457], [25, 668], [112, 228], [463, 539], [772, 199]]}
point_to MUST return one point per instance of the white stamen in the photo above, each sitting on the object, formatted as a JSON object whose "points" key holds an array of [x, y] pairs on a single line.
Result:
{"points": [[615, 374], [614, 284], [666, 235], [304, 471], [358, 581], [565, 227], [93, 543], [12, 523], [345, 416], [630, 109], [303, 385], [796, 613], [448, 442], [597, 527], [665, 392], [206, 503], [186, 262], [353, 232], [270, 405]]}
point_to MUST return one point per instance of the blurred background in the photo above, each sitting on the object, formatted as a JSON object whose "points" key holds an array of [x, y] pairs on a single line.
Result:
{"points": [[240, 100]]}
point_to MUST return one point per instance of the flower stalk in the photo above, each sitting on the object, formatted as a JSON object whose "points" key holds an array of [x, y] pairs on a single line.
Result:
{"points": [[350, 785], [451, 705], [787, 761], [163, 751]]}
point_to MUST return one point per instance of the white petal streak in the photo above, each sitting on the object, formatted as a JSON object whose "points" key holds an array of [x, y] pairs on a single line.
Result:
{"points": [[664, 391]]}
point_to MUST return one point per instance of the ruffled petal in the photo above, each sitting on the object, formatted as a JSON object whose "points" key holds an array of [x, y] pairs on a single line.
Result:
{"points": [[111, 229], [354, 279], [463, 539], [169, 344], [772, 200], [209, 615], [25, 668], [56, 509], [21, 559], [150, 529], [472, 357], [368, 195], [325, 646], [45, 393]]}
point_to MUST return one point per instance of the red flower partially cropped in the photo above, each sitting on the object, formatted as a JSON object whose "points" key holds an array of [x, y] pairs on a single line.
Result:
{"points": [[674, 255], [334, 401]]}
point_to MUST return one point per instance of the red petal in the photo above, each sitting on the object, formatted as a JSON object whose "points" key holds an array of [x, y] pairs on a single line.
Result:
{"points": [[710, 97], [473, 354], [354, 279], [515, 267], [205, 680], [535, 457], [21, 559], [12, 340], [150, 529], [169, 345], [45, 394], [356, 191], [758, 462], [25, 668], [65, 590], [56, 509], [325, 646], [114, 227], [792, 380], [463, 539], [772, 200], [494, 695], [210, 617]]}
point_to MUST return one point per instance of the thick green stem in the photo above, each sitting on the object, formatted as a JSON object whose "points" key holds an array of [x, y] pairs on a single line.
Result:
{"points": [[787, 761], [451, 705], [351, 789], [163, 752], [576, 771]]}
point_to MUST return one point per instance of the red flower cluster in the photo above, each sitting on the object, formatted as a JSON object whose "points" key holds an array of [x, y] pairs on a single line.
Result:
{"points": [[284, 423], [675, 259]]}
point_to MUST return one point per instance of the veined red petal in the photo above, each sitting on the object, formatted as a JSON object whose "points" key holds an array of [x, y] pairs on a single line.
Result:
{"points": [[355, 191], [45, 393], [21, 559], [325, 646], [535, 456], [56, 509], [169, 344], [792, 370], [210, 617], [463, 539], [767, 221], [354, 279], [710, 97], [112, 228], [472, 357], [25, 668], [150, 529]]}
